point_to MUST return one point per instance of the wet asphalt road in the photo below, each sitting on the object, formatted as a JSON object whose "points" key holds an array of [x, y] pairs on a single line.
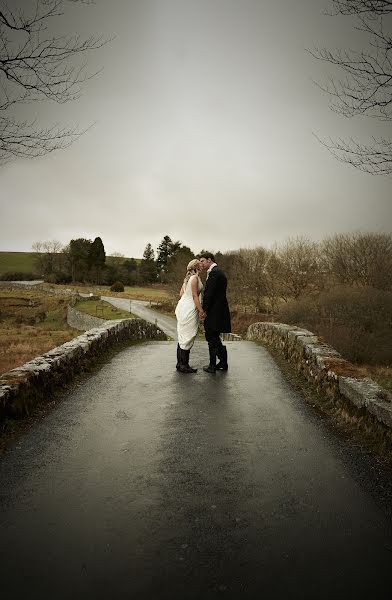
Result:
{"points": [[148, 484]]}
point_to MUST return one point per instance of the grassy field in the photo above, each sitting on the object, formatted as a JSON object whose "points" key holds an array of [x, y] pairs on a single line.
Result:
{"points": [[22, 262], [31, 323], [153, 293], [102, 309]]}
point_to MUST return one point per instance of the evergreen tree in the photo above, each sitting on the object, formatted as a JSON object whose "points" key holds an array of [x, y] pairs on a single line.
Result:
{"points": [[165, 251], [148, 269], [79, 253], [148, 253], [96, 259], [176, 267]]}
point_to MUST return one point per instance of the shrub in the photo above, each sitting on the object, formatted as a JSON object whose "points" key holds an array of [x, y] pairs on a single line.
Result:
{"points": [[117, 286], [58, 277], [18, 276], [357, 321]]}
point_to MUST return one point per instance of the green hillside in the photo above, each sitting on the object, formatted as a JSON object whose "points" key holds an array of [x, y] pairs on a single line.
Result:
{"points": [[21, 262]]}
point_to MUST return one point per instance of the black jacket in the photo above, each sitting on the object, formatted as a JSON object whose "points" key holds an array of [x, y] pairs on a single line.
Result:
{"points": [[215, 302]]}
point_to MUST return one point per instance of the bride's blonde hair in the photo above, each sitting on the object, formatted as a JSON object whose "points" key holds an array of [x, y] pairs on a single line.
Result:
{"points": [[191, 269]]}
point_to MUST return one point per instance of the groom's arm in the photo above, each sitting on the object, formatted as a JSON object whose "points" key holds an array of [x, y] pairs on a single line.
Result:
{"points": [[210, 289]]}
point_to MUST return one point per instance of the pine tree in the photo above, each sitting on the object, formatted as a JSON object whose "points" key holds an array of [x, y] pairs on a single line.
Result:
{"points": [[97, 258], [148, 269], [165, 251], [148, 253]]}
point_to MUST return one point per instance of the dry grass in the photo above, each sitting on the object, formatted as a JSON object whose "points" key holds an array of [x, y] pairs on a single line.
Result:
{"points": [[102, 309], [154, 292], [383, 376], [31, 323], [240, 321]]}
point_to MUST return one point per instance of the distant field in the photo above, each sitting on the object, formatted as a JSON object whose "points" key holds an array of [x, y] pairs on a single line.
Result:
{"points": [[22, 262], [103, 310], [153, 293]]}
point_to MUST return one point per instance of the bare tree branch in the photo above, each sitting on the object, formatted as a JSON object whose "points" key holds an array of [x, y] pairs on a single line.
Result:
{"points": [[36, 65], [355, 7], [366, 88], [374, 158]]}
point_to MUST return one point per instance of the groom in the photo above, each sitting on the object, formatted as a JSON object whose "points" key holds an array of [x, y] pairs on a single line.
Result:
{"points": [[216, 307]]}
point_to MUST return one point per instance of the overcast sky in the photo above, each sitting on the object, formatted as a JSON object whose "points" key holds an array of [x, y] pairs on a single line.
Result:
{"points": [[204, 118]]}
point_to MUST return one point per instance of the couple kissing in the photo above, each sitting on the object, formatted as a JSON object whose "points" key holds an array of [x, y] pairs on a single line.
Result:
{"points": [[209, 306]]}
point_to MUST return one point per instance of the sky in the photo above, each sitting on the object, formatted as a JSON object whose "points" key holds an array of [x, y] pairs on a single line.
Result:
{"points": [[203, 119]]}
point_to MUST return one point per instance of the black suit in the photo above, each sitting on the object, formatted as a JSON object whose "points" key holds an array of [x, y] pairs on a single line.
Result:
{"points": [[216, 306]]}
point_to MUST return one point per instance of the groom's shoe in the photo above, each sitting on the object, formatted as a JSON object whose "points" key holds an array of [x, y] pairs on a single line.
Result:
{"points": [[211, 367], [222, 355]]}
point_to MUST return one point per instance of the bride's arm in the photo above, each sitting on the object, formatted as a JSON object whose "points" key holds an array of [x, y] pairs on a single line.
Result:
{"points": [[195, 295]]}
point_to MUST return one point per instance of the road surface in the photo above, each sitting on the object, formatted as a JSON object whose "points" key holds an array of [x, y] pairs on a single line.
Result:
{"points": [[148, 484]]}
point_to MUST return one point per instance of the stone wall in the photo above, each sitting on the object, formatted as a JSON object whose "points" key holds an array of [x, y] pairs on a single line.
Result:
{"points": [[324, 366], [83, 321], [36, 380]]}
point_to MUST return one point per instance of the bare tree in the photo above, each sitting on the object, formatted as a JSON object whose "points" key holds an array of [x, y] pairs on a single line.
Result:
{"points": [[252, 275], [49, 256], [298, 267], [366, 88], [360, 259], [36, 65]]}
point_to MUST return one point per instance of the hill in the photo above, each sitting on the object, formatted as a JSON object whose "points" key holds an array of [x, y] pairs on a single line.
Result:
{"points": [[21, 262]]}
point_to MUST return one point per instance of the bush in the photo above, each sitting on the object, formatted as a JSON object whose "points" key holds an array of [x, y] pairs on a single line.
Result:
{"points": [[58, 277], [18, 276], [357, 321], [117, 286]]}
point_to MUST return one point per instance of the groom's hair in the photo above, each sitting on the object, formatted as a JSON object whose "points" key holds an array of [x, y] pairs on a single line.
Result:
{"points": [[207, 255]]}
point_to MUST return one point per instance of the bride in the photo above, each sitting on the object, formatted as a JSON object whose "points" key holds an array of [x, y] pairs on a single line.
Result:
{"points": [[188, 312]]}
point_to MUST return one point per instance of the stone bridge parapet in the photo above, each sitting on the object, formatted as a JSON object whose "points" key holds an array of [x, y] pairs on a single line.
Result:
{"points": [[323, 365], [23, 387]]}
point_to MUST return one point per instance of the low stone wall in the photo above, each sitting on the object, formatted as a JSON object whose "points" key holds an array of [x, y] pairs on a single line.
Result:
{"points": [[83, 321], [325, 367], [34, 381], [231, 337]]}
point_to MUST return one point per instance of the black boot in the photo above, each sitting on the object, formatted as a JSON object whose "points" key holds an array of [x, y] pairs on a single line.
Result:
{"points": [[211, 368], [187, 362], [184, 362], [222, 355], [178, 357]]}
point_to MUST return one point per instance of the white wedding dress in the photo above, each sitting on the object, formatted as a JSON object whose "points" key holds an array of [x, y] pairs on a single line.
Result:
{"points": [[187, 316]]}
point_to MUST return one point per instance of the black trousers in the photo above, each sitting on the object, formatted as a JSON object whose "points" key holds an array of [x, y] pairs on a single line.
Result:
{"points": [[213, 338]]}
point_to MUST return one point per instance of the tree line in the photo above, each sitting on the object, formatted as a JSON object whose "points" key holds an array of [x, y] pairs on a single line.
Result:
{"points": [[259, 277], [85, 261]]}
